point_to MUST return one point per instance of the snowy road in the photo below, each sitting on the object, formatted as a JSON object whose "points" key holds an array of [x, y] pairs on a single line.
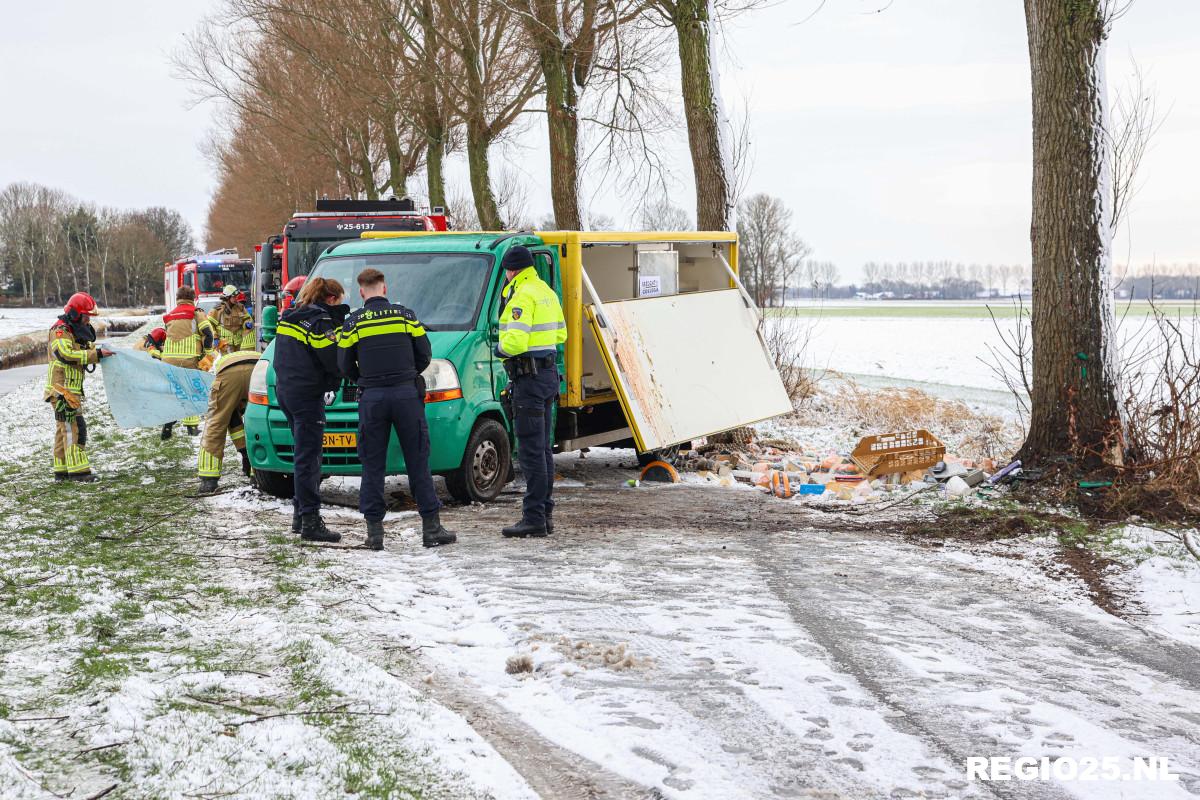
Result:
{"points": [[760, 661]]}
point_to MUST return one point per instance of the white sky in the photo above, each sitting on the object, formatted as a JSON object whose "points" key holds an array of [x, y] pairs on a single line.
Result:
{"points": [[899, 135]]}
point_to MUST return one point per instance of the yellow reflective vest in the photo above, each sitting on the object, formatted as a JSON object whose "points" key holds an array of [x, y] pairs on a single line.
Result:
{"points": [[531, 318]]}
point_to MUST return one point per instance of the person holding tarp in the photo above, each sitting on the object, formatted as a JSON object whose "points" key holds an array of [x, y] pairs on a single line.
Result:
{"points": [[190, 343], [305, 369], [226, 406], [71, 351], [152, 342]]}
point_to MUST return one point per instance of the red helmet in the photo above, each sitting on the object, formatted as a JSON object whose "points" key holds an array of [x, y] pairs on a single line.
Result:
{"points": [[294, 285], [159, 335], [81, 303]]}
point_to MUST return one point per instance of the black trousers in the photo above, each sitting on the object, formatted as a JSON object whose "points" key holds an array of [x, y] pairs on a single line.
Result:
{"points": [[306, 415], [533, 411], [380, 410]]}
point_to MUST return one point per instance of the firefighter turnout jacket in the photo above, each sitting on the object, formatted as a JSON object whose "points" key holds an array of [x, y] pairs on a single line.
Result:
{"points": [[229, 320], [226, 408], [189, 334], [306, 348], [531, 318], [382, 344], [70, 350]]}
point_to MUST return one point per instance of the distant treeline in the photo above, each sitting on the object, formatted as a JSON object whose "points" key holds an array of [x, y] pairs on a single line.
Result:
{"points": [[52, 245]]}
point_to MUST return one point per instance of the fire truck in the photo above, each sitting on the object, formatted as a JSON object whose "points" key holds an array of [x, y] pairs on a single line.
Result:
{"points": [[309, 233], [208, 274]]}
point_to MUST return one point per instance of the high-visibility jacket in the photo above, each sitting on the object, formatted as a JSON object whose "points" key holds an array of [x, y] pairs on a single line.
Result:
{"points": [[229, 322], [531, 318], [67, 358], [306, 350], [382, 344], [189, 333]]}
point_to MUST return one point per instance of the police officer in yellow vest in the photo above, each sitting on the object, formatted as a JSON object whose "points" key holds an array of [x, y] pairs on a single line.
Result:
{"points": [[531, 328], [190, 342], [226, 406]]}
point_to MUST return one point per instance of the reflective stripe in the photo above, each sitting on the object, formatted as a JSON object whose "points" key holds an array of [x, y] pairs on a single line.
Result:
{"points": [[549, 326], [516, 326], [363, 330], [208, 465]]}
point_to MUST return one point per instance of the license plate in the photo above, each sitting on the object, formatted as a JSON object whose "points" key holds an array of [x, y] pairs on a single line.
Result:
{"points": [[341, 440]]}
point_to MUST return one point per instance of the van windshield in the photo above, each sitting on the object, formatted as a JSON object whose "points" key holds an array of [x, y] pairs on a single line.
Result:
{"points": [[445, 290]]}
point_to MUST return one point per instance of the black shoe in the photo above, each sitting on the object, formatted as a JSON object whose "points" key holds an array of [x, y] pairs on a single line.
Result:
{"points": [[523, 529], [296, 522], [246, 469], [61, 476], [166, 431], [208, 485], [193, 430], [374, 535], [432, 532], [312, 529], [82, 477]]}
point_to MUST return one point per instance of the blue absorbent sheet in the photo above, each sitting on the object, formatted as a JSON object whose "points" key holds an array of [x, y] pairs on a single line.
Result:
{"points": [[144, 392]]}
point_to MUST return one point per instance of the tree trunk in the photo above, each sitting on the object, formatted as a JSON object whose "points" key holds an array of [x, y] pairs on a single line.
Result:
{"points": [[481, 180], [562, 122], [701, 106], [435, 159], [397, 172], [1074, 405]]}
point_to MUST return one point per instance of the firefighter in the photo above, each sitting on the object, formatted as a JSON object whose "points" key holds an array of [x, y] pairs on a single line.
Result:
{"points": [[270, 314], [531, 328], [152, 342], [305, 370], [232, 324], [190, 343], [384, 349], [71, 351], [226, 406]]}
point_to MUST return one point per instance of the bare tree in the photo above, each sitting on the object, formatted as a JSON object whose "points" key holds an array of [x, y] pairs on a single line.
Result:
{"points": [[663, 215], [769, 251]]}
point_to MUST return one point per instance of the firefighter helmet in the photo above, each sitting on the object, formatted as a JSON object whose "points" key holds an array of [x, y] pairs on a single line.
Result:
{"points": [[229, 291], [80, 303], [293, 286], [159, 335]]}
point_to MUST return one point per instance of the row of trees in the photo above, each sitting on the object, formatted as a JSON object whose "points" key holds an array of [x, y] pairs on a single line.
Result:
{"points": [[52, 245], [363, 97]]}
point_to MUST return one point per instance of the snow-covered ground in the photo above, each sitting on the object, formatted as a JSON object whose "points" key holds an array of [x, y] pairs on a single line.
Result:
{"points": [[15, 321]]}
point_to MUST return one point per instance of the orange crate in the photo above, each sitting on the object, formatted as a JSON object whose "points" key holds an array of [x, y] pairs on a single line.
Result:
{"points": [[889, 453]]}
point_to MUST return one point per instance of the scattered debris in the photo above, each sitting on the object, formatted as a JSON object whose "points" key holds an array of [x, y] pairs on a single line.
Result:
{"points": [[521, 662]]}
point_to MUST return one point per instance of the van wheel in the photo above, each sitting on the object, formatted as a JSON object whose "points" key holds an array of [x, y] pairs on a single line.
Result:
{"points": [[668, 454], [486, 466], [276, 484]]}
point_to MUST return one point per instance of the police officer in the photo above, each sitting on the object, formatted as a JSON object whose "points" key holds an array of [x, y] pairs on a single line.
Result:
{"points": [[384, 349], [71, 351], [305, 369], [531, 328], [226, 408], [190, 343]]}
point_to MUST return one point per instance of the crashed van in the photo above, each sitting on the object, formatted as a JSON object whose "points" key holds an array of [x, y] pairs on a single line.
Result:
{"points": [[663, 346]]}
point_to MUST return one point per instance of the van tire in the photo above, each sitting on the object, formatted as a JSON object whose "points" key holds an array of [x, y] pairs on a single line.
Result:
{"points": [[276, 484], [486, 465], [670, 455]]}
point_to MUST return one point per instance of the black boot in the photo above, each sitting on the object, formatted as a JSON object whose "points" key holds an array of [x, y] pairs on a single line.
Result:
{"points": [[166, 431], [82, 477], [523, 529], [549, 522], [374, 535], [432, 532], [208, 485], [312, 529], [193, 430], [246, 469], [61, 476], [296, 522]]}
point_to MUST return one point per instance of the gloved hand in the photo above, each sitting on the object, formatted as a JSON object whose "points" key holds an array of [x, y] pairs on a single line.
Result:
{"points": [[205, 363], [104, 352], [497, 352], [64, 409], [249, 325]]}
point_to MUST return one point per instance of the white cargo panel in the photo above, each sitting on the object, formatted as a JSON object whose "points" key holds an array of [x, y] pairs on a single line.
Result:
{"points": [[688, 365]]}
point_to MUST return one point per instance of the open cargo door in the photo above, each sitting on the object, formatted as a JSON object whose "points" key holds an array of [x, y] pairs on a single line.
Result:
{"points": [[687, 365]]}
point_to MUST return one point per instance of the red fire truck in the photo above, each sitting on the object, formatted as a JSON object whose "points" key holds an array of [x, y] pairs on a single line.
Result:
{"points": [[307, 234], [208, 274]]}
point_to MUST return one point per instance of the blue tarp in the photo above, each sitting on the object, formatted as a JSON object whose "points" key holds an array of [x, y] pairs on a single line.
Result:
{"points": [[144, 392]]}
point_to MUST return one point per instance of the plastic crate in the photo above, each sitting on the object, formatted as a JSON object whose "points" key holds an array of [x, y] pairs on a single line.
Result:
{"points": [[889, 453]]}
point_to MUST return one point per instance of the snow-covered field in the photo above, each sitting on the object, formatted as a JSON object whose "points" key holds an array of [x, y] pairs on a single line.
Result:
{"points": [[684, 641], [15, 321]]}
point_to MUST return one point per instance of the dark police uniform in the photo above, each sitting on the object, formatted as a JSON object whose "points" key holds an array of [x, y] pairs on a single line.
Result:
{"points": [[305, 369], [531, 328], [384, 349]]}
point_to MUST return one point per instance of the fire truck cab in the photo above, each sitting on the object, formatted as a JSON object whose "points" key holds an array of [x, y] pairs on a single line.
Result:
{"points": [[208, 275]]}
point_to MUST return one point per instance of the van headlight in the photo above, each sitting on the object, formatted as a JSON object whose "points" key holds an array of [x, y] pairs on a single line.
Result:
{"points": [[258, 383], [441, 381]]}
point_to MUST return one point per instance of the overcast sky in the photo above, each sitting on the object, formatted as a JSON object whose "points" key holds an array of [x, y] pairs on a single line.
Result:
{"points": [[898, 135]]}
